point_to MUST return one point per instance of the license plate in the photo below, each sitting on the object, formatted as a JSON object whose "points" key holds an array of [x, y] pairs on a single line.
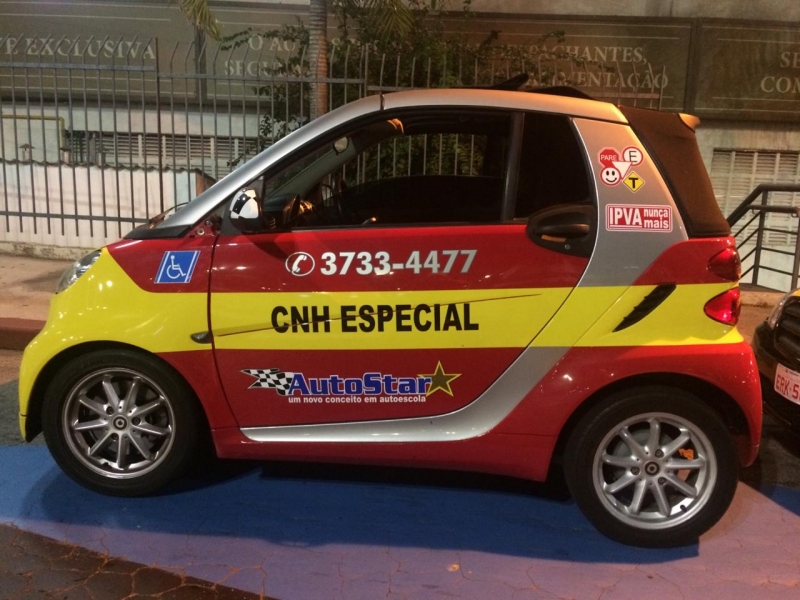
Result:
{"points": [[787, 384]]}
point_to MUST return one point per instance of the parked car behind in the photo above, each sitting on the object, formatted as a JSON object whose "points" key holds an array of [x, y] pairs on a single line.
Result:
{"points": [[777, 347]]}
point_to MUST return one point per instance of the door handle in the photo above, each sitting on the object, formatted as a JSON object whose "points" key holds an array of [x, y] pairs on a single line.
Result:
{"points": [[563, 230]]}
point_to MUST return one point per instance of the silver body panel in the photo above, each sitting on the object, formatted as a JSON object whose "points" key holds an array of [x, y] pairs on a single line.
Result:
{"points": [[475, 419], [620, 257]]}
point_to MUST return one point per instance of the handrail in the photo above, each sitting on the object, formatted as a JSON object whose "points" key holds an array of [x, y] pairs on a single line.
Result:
{"points": [[762, 188], [760, 212]]}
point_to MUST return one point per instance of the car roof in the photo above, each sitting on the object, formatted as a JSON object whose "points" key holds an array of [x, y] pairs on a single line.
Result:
{"points": [[546, 100]]}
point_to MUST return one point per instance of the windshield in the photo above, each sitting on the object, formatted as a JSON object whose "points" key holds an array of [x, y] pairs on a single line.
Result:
{"points": [[211, 198]]}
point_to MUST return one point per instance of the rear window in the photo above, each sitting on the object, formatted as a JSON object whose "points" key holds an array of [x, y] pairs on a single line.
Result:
{"points": [[552, 166], [673, 147]]}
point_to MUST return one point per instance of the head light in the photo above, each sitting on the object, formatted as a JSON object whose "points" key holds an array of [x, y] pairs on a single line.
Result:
{"points": [[775, 315], [78, 268]]}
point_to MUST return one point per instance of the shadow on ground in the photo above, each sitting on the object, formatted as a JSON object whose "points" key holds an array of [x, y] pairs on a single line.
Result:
{"points": [[317, 506]]}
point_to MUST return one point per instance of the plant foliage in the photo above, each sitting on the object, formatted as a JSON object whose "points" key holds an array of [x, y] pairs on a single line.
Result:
{"points": [[388, 45]]}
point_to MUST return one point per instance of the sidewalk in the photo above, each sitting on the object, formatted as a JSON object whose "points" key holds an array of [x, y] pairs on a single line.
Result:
{"points": [[29, 283]]}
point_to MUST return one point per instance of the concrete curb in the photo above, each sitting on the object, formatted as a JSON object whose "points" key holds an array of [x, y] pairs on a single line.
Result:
{"points": [[42, 251], [15, 334], [761, 299]]}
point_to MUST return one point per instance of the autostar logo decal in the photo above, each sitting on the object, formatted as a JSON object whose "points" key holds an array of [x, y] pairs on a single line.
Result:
{"points": [[369, 387]]}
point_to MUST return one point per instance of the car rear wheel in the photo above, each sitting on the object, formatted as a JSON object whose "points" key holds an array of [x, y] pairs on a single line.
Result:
{"points": [[120, 422], [652, 467]]}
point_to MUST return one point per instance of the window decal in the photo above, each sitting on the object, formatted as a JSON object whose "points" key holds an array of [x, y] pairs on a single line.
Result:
{"points": [[627, 217], [177, 266], [369, 388], [616, 166]]}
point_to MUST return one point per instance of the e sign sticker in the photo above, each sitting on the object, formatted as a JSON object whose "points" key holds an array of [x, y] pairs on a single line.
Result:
{"points": [[628, 217]]}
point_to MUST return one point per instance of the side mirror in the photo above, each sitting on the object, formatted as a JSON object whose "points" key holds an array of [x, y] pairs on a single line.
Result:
{"points": [[246, 213], [341, 145]]}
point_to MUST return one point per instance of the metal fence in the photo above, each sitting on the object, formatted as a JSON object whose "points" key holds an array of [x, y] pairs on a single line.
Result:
{"points": [[752, 231], [98, 134]]}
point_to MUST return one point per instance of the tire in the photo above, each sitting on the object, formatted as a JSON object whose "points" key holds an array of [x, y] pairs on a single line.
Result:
{"points": [[630, 487], [156, 427]]}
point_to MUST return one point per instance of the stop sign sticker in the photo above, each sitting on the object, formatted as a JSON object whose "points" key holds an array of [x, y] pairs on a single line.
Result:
{"points": [[608, 156]]}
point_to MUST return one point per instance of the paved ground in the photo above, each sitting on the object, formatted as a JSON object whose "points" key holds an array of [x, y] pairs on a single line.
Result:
{"points": [[319, 533], [240, 529], [34, 566]]}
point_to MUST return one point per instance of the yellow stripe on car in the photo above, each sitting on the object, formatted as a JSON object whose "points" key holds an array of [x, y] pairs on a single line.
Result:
{"points": [[90, 310], [677, 321], [590, 315], [499, 318]]}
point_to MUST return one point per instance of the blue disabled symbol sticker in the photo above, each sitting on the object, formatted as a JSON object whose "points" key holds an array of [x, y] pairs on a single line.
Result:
{"points": [[177, 266]]}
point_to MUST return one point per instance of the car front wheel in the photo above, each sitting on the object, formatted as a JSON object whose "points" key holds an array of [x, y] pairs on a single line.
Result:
{"points": [[652, 467], [120, 422]]}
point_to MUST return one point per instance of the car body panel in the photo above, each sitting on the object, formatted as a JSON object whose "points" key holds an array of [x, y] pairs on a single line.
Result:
{"points": [[542, 334], [110, 305], [458, 319], [535, 421], [769, 354]]}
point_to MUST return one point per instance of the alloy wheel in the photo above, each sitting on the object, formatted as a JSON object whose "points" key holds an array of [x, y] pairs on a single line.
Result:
{"points": [[118, 423], [654, 471]]}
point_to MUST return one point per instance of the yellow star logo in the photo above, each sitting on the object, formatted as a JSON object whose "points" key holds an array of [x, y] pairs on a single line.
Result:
{"points": [[441, 381]]}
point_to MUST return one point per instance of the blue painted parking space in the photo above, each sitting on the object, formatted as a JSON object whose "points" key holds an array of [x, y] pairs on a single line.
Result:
{"points": [[321, 532]]}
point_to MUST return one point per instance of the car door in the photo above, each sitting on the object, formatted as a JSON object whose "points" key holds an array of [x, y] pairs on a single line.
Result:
{"points": [[402, 276]]}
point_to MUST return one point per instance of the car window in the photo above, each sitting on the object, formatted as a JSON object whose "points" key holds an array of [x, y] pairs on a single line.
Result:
{"points": [[552, 166], [415, 169]]}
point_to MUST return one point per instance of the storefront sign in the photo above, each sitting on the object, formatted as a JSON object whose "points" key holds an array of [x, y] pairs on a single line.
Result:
{"points": [[740, 70], [749, 72]]}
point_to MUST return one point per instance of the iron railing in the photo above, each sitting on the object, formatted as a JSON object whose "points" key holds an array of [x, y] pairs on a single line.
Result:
{"points": [[751, 236], [98, 134]]}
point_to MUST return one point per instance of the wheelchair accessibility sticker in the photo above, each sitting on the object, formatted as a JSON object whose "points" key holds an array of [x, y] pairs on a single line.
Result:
{"points": [[177, 266]]}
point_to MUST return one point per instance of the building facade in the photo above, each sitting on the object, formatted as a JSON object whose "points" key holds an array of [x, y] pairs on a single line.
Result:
{"points": [[128, 84]]}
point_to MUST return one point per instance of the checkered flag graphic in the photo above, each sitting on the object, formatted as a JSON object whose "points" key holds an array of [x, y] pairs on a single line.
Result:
{"points": [[274, 379]]}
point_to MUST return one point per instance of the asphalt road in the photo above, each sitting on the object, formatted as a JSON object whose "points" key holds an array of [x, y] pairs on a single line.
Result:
{"points": [[9, 422], [316, 531]]}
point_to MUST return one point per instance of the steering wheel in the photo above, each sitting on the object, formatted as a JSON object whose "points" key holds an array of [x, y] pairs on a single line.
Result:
{"points": [[335, 192], [291, 211]]}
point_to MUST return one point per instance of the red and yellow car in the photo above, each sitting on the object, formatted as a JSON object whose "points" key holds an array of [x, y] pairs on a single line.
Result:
{"points": [[500, 281]]}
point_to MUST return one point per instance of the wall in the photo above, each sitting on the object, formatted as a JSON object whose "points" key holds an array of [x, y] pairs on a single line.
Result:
{"points": [[778, 10]]}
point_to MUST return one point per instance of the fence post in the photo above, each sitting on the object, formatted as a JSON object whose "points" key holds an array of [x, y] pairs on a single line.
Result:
{"points": [[199, 65], [796, 265], [158, 134], [759, 237]]}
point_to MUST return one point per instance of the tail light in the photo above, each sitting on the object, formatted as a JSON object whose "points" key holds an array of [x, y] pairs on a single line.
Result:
{"points": [[725, 308], [726, 265]]}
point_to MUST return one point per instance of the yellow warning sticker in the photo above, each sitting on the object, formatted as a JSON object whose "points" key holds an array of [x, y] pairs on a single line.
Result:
{"points": [[633, 181]]}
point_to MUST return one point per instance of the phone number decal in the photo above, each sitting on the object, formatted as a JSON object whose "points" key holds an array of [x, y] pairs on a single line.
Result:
{"points": [[301, 264]]}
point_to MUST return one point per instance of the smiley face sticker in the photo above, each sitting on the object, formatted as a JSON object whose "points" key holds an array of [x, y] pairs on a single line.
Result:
{"points": [[610, 176], [616, 165]]}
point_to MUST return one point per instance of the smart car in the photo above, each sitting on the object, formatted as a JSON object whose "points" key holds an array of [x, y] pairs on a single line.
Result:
{"points": [[502, 281], [777, 348]]}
